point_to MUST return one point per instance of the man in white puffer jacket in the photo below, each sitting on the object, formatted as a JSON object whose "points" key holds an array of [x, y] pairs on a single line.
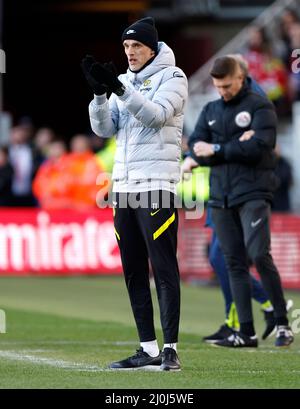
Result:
{"points": [[145, 112]]}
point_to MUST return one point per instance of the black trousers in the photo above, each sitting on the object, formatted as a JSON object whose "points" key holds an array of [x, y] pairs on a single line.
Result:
{"points": [[245, 230], [149, 231]]}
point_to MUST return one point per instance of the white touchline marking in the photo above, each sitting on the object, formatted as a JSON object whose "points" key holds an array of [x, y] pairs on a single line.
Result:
{"points": [[39, 350], [67, 342], [58, 363]]}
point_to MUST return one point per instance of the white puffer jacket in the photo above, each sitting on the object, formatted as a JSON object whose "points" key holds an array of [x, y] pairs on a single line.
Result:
{"points": [[147, 121]]}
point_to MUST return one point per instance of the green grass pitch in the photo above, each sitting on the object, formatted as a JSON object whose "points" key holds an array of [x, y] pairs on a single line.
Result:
{"points": [[62, 333]]}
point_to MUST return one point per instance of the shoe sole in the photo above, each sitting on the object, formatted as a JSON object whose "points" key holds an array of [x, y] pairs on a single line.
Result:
{"points": [[139, 368], [210, 341], [233, 347], [170, 370], [283, 346]]}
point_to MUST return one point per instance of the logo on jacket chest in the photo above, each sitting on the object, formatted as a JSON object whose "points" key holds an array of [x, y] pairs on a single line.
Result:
{"points": [[243, 119], [145, 86]]}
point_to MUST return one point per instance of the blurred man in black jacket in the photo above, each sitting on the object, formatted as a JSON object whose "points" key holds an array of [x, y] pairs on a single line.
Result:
{"points": [[236, 136]]}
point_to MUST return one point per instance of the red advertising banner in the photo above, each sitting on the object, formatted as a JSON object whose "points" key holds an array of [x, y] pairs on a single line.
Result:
{"points": [[69, 242], [194, 240], [58, 242]]}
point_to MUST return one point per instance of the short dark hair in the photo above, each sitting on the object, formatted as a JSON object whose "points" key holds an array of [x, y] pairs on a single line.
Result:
{"points": [[224, 66]]}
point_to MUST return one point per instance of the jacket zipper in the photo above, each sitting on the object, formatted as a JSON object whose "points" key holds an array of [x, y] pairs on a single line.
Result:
{"points": [[125, 147], [227, 181], [125, 154]]}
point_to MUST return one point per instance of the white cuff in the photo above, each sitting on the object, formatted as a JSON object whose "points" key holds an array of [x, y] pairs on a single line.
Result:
{"points": [[100, 99]]}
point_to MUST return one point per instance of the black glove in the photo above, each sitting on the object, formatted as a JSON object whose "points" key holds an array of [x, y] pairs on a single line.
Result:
{"points": [[107, 75], [94, 82]]}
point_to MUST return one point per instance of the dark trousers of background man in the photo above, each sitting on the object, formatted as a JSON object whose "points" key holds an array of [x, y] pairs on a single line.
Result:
{"points": [[245, 230], [145, 233]]}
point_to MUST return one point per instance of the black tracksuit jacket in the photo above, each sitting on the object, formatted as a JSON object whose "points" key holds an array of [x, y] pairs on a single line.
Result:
{"points": [[241, 171]]}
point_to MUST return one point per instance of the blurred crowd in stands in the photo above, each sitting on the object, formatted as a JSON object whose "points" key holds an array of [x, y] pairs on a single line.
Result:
{"points": [[270, 61], [38, 169]]}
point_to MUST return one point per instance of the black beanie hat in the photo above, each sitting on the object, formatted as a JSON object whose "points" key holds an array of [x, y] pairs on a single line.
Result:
{"points": [[144, 31]]}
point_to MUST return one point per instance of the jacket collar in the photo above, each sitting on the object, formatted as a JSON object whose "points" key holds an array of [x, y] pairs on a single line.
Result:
{"points": [[164, 58], [242, 92]]}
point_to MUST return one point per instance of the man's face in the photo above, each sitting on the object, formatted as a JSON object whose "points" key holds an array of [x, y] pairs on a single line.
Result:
{"points": [[137, 54], [229, 86]]}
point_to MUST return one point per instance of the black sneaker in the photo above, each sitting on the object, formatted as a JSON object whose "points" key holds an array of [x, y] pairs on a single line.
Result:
{"points": [[270, 324], [170, 361], [271, 321], [238, 340], [223, 332], [284, 336], [139, 360]]}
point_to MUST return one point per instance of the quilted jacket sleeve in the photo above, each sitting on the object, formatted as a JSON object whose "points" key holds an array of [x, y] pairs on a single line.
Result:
{"points": [[104, 115], [167, 102]]}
